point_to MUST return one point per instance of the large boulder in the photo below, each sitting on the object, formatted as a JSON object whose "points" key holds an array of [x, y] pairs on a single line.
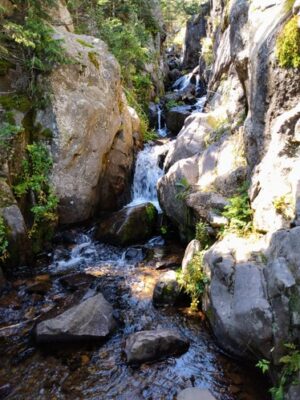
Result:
{"points": [[90, 320], [128, 226], [152, 345], [91, 129], [253, 301]]}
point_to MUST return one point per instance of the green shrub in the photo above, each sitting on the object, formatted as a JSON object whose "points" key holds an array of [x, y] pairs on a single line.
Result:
{"points": [[239, 213], [173, 103], [288, 45], [194, 281], [3, 241], [202, 234], [35, 180]]}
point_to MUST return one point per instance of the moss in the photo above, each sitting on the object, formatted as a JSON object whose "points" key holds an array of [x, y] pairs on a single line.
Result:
{"points": [[17, 102], [288, 45], [94, 59], [151, 214], [84, 43]]}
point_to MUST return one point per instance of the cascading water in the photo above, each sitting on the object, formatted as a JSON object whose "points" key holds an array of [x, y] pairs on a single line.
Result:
{"points": [[147, 173], [162, 130]]}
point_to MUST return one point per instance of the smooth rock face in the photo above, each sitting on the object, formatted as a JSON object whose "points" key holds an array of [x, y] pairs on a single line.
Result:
{"points": [[195, 394], [92, 129], [128, 226], [151, 345], [254, 295], [90, 320], [167, 290]]}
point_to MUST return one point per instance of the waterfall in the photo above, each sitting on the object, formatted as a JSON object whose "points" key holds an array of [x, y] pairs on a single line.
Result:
{"points": [[147, 173], [182, 82], [162, 131]]}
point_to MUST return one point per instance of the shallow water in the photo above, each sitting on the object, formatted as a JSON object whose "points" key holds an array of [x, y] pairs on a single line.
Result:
{"points": [[100, 371]]}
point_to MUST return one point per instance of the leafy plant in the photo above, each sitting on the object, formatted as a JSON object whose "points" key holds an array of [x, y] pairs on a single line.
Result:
{"points": [[290, 367], [184, 188], [285, 206], [3, 240], [194, 281], [263, 365], [7, 133], [35, 180], [202, 234], [288, 45], [239, 213]]}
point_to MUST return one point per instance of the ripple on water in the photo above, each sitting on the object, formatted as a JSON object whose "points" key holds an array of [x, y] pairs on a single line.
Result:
{"points": [[96, 373]]}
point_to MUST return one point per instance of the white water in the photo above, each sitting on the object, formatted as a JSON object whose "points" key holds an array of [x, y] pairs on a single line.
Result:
{"points": [[162, 130], [200, 104], [182, 82], [147, 173]]}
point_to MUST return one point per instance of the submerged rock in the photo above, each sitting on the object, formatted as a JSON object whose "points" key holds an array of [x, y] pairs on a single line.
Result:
{"points": [[90, 320], [152, 345], [128, 226], [195, 394]]}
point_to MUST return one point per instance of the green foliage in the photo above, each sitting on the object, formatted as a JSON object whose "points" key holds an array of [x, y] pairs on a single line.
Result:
{"points": [[263, 365], [3, 241], [288, 45], [7, 133], [27, 39], [173, 103], [202, 234], [239, 213], [184, 187], [290, 367], [194, 281], [285, 206], [164, 230], [17, 102], [34, 180]]}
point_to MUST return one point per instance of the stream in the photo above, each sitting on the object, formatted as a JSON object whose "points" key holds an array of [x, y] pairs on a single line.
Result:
{"points": [[126, 277]]}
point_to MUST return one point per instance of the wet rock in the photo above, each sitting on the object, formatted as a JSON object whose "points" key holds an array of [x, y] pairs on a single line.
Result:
{"points": [[175, 118], [39, 288], [172, 261], [152, 345], [134, 254], [167, 290], [128, 226], [153, 115], [195, 394], [90, 320], [77, 281], [193, 247]]}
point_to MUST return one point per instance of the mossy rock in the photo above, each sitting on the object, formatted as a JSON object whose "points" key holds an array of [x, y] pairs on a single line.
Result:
{"points": [[6, 195], [19, 102], [128, 226]]}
